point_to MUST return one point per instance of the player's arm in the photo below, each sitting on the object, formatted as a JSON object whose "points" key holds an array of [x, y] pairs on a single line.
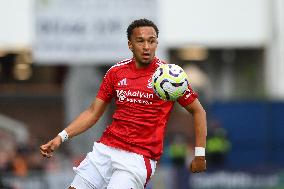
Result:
{"points": [[83, 122], [87, 118], [200, 125]]}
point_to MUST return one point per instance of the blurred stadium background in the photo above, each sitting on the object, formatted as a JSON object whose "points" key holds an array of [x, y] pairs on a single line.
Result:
{"points": [[54, 53]]}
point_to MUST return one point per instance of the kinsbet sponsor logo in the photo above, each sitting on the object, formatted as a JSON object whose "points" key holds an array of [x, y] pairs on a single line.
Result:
{"points": [[143, 98]]}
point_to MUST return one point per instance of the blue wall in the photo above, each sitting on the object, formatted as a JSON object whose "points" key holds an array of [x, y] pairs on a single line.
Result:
{"points": [[256, 132]]}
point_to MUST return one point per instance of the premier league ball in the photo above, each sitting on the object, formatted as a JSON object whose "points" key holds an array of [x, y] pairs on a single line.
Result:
{"points": [[169, 82]]}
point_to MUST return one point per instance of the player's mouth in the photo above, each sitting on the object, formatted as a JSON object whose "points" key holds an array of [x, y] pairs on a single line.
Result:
{"points": [[146, 55]]}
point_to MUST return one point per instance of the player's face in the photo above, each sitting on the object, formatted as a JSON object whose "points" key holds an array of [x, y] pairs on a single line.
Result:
{"points": [[143, 43]]}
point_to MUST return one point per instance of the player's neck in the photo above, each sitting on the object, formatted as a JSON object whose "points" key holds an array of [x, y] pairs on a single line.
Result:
{"points": [[142, 65]]}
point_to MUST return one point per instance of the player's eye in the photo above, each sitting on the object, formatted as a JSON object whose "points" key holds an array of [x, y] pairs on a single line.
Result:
{"points": [[152, 41], [139, 40]]}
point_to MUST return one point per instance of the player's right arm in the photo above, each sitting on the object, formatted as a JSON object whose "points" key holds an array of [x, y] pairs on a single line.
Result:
{"points": [[83, 122]]}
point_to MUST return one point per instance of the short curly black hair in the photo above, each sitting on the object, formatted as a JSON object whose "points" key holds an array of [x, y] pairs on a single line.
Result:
{"points": [[140, 23]]}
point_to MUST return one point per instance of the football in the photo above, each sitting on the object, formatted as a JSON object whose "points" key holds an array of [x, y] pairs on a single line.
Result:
{"points": [[169, 82]]}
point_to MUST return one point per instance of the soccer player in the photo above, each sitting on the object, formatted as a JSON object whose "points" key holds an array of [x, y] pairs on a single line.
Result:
{"points": [[125, 156]]}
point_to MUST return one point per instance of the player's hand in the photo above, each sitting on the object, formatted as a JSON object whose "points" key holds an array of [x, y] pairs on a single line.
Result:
{"points": [[47, 149], [198, 164]]}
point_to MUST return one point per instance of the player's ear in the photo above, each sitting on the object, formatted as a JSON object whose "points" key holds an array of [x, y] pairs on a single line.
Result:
{"points": [[130, 46]]}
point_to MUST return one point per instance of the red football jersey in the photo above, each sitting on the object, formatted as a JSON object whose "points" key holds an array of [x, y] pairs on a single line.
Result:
{"points": [[140, 118]]}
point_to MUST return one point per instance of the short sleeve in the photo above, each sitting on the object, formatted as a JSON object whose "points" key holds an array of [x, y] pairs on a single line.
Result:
{"points": [[106, 90], [188, 97]]}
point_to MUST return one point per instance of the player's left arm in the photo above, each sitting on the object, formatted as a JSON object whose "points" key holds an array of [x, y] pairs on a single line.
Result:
{"points": [[198, 164]]}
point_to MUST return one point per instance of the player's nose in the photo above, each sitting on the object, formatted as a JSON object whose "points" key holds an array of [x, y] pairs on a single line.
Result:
{"points": [[146, 46]]}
